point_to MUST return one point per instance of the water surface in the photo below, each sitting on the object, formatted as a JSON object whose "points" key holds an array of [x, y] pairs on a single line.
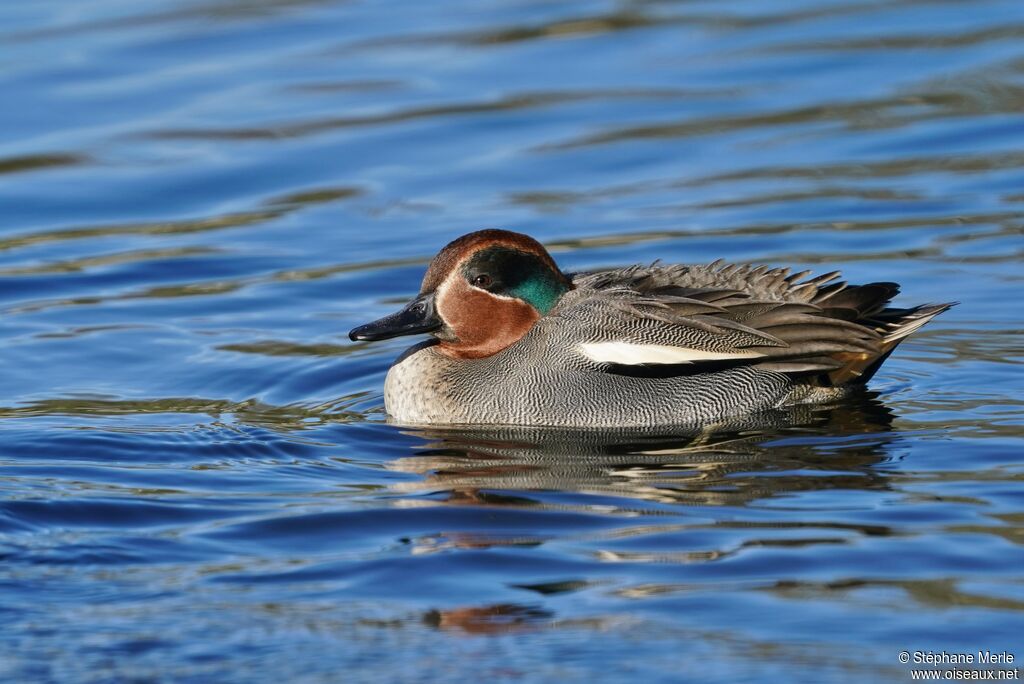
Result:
{"points": [[200, 198]]}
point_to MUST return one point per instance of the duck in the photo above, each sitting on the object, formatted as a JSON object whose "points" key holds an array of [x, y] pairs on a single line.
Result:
{"points": [[513, 340]]}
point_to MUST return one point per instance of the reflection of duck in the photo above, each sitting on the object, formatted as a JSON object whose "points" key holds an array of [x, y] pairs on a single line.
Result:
{"points": [[637, 478], [494, 619], [726, 465], [519, 342]]}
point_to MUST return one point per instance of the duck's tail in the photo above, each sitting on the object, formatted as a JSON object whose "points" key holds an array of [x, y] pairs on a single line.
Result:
{"points": [[894, 325]]}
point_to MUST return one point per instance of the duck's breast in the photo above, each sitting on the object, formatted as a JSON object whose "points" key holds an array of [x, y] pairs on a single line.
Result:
{"points": [[415, 390]]}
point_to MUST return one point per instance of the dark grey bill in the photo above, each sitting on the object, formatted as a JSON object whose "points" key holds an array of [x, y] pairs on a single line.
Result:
{"points": [[418, 317]]}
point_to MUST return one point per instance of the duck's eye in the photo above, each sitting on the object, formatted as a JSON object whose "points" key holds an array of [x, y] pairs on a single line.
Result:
{"points": [[482, 281]]}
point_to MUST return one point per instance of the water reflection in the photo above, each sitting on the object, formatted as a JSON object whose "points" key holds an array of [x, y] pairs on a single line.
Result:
{"points": [[729, 464], [642, 478], [493, 619]]}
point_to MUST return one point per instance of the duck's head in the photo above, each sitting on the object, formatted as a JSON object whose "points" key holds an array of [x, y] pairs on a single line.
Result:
{"points": [[481, 293]]}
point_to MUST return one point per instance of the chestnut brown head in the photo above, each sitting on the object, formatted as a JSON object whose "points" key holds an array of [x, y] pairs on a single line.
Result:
{"points": [[480, 294]]}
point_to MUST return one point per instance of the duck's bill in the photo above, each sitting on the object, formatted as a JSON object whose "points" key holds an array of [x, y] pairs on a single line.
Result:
{"points": [[418, 317]]}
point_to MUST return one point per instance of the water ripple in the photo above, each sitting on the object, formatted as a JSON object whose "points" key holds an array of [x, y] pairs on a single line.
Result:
{"points": [[198, 481]]}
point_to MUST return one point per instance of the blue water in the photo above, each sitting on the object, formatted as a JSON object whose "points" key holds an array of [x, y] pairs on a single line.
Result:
{"points": [[199, 199]]}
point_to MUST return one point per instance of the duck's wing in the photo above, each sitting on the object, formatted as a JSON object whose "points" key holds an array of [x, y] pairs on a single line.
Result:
{"points": [[698, 318]]}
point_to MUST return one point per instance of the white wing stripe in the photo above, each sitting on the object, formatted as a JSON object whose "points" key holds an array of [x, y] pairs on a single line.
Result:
{"points": [[631, 354]]}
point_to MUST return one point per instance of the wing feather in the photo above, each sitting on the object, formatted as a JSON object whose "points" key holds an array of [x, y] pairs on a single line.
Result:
{"points": [[726, 313]]}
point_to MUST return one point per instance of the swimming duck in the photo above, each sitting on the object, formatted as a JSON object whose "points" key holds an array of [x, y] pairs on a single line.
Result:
{"points": [[515, 341]]}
